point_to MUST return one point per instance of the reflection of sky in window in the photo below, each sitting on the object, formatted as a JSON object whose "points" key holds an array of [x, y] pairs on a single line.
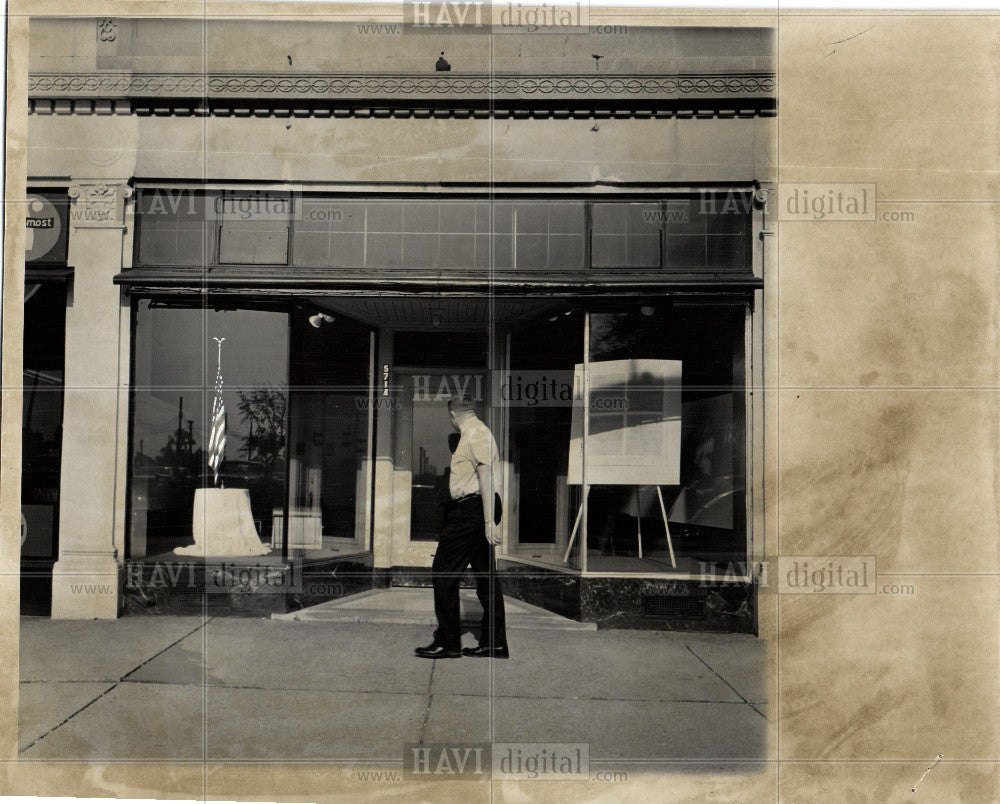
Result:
{"points": [[176, 357], [431, 425], [431, 422]]}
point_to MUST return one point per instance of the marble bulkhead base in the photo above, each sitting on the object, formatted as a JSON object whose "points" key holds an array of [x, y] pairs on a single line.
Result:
{"points": [[252, 588]]}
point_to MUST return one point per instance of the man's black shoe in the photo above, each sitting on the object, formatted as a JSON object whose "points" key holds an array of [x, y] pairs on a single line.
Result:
{"points": [[501, 652], [437, 652]]}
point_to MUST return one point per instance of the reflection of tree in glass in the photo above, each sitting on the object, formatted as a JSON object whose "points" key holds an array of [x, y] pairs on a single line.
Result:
{"points": [[262, 409], [620, 336], [179, 455], [611, 334]]}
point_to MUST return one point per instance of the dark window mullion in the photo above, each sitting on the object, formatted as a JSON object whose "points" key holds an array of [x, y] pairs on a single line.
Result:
{"points": [[662, 232]]}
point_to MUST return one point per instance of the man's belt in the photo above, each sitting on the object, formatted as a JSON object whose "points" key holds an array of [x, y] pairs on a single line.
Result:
{"points": [[497, 504]]}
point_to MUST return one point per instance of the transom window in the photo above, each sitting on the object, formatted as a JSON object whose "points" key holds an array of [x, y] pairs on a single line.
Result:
{"points": [[695, 233]]}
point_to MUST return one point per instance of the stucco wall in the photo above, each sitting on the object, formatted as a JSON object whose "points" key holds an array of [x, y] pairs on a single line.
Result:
{"points": [[292, 47], [363, 150]]}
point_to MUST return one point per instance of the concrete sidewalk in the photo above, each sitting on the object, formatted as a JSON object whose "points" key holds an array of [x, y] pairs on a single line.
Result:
{"points": [[189, 688]]}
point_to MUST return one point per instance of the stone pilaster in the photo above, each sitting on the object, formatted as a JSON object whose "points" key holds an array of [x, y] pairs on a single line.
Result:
{"points": [[86, 577]]}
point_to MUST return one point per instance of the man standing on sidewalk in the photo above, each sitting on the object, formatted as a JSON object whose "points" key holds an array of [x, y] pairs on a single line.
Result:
{"points": [[469, 535]]}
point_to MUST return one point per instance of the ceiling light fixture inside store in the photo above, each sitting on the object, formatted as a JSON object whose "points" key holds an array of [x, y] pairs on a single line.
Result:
{"points": [[320, 319]]}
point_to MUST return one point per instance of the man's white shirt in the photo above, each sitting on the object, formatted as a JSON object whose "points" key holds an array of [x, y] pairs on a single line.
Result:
{"points": [[476, 447]]}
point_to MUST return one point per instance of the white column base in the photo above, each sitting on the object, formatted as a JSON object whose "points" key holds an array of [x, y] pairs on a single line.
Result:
{"points": [[85, 586]]}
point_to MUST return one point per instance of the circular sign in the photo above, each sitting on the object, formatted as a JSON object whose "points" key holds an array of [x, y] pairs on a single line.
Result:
{"points": [[43, 226]]}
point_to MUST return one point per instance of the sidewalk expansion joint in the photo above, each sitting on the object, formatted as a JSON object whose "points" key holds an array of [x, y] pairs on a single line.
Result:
{"points": [[742, 696], [485, 694], [430, 701], [171, 645], [267, 688], [68, 719], [110, 688]]}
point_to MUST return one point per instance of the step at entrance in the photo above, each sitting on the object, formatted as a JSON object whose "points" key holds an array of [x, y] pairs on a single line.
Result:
{"points": [[415, 606]]}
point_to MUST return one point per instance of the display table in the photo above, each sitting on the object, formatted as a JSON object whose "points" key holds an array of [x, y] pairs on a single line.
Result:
{"points": [[223, 525], [305, 528]]}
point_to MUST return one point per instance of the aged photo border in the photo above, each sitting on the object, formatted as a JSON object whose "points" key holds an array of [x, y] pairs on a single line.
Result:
{"points": [[956, 188]]}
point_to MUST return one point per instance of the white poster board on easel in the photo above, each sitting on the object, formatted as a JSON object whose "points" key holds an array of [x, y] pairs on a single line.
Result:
{"points": [[633, 430], [634, 424]]}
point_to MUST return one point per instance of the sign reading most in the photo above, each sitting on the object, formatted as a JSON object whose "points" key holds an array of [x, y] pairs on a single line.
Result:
{"points": [[45, 225]]}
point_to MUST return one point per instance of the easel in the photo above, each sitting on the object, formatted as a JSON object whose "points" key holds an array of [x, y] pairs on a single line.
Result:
{"points": [[638, 526]]}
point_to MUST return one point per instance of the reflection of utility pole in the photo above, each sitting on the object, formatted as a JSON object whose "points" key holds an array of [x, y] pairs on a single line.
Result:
{"points": [[26, 426]]}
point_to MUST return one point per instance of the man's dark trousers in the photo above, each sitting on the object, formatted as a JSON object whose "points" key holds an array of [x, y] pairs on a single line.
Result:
{"points": [[463, 542]]}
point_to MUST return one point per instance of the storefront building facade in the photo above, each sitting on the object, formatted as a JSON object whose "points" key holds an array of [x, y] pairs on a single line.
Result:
{"points": [[357, 235]]}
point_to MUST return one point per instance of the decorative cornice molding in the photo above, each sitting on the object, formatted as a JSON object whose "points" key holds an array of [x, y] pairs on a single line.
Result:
{"points": [[398, 95], [130, 85]]}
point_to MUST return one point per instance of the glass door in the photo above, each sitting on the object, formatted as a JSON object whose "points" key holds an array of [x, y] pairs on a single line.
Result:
{"points": [[330, 434], [423, 442]]}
